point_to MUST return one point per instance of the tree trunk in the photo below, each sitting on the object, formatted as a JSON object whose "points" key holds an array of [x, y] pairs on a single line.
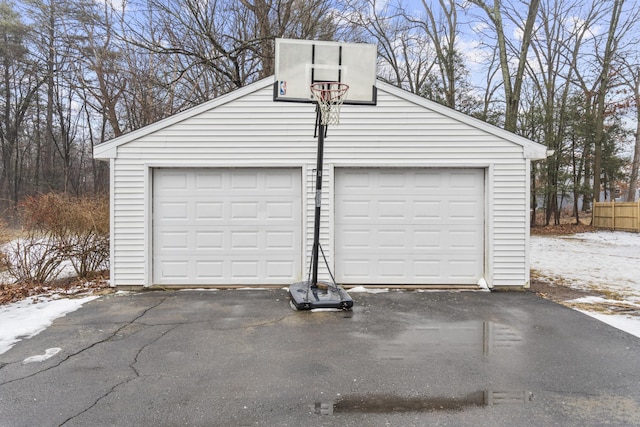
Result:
{"points": [[633, 179], [512, 90], [607, 59]]}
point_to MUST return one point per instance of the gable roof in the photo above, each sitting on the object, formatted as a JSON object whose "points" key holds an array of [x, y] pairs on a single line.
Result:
{"points": [[531, 150]]}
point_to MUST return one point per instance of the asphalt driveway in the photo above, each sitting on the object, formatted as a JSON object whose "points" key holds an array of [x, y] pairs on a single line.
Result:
{"points": [[243, 358]]}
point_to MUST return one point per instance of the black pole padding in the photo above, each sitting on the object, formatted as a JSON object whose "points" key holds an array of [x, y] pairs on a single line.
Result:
{"points": [[316, 227]]}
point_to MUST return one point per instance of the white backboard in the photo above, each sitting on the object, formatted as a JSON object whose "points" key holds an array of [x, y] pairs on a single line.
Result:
{"points": [[298, 63]]}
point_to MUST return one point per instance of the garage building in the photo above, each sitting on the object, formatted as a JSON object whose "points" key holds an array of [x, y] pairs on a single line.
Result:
{"points": [[415, 194]]}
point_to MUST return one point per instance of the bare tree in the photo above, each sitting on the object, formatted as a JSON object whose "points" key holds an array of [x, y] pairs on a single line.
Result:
{"points": [[230, 40], [287, 18], [508, 52], [630, 75], [405, 55], [100, 73], [441, 27], [616, 33], [54, 31], [556, 47], [20, 84]]}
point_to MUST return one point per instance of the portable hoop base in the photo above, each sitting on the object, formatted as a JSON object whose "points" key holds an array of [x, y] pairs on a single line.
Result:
{"points": [[306, 296]]}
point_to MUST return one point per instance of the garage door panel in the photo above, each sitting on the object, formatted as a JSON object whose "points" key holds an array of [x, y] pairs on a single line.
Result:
{"points": [[461, 270], [239, 270], [280, 211], [281, 239], [409, 226], [391, 269], [280, 269], [464, 210], [461, 240], [227, 226], [212, 270], [427, 210], [173, 211], [356, 239], [247, 180], [411, 239], [276, 181], [173, 240], [244, 210], [209, 240], [171, 182], [174, 269], [465, 179], [208, 211], [428, 270], [393, 239], [208, 181], [427, 179], [427, 239], [419, 211]]}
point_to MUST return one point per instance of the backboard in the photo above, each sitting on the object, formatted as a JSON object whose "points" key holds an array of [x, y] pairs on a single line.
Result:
{"points": [[299, 63]]}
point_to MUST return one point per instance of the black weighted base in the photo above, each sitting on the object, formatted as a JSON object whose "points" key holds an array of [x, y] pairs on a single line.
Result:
{"points": [[305, 296]]}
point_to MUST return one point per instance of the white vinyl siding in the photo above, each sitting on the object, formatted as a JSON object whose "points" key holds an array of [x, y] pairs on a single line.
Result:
{"points": [[250, 130]]}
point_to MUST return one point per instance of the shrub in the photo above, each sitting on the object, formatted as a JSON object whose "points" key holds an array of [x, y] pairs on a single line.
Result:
{"points": [[5, 237], [60, 228], [87, 238], [35, 259]]}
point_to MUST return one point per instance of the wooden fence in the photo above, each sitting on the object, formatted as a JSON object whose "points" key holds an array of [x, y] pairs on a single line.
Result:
{"points": [[617, 216]]}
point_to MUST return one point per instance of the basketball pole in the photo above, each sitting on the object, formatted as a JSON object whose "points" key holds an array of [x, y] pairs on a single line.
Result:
{"points": [[315, 252]]}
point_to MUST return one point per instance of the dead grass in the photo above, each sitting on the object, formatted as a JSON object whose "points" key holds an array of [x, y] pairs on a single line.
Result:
{"points": [[606, 307], [556, 290], [70, 287], [562, 229], [567, 226]]}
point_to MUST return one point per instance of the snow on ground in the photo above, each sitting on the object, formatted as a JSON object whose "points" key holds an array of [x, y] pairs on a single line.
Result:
{"points": [[27, 318], [605, 263]]}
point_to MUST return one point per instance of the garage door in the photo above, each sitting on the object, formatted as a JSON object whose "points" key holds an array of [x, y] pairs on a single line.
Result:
{"points": [[415, 226], [226, 226]]}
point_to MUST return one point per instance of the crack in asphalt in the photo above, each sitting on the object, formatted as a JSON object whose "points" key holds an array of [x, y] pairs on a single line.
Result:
{"points": [[127, 381], [163, 334], [136, 373], [108, 338]]}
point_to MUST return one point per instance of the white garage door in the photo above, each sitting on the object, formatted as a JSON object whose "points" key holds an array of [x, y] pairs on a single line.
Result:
{"points": [[226, 226], [409, 226]]}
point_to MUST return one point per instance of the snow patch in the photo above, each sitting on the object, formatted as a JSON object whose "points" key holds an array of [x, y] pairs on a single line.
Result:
{"points": [[50, 352], [27, 318], [628, 324], [482, 284], [362, 289]]}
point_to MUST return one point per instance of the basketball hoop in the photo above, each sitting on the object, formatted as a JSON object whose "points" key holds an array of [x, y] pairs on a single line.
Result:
{"points": [[329, 96]]}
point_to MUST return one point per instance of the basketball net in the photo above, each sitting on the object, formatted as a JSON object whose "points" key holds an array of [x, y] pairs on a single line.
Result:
{"points": [[329, 96]]}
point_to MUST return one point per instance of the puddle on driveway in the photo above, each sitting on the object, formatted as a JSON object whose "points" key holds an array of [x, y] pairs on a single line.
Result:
{"points": [[471, 337], [387, 403]]}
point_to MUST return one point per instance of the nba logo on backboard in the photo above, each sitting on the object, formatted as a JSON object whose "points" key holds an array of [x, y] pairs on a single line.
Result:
{"points": [[282, 87]]}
